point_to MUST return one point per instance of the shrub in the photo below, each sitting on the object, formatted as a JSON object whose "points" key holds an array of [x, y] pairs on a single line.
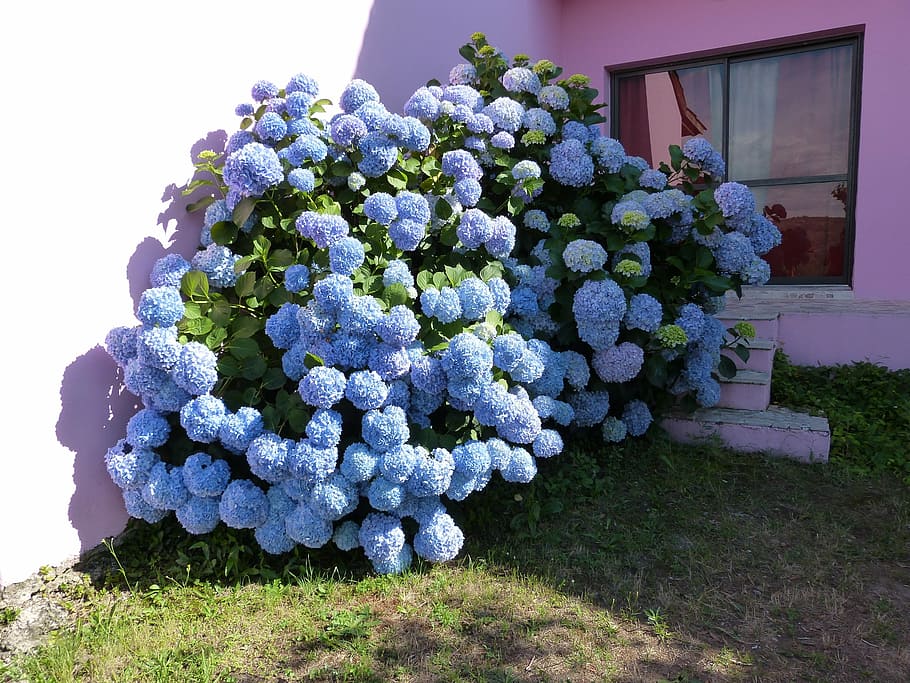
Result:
{"points": [[385, 310]]}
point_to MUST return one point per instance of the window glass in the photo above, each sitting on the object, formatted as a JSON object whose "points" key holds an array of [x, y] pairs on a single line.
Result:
{"points": [[790, 114]]}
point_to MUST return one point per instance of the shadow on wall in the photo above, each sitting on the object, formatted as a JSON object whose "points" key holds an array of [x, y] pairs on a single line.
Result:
{"points": [[95, 405], [408, 42]]}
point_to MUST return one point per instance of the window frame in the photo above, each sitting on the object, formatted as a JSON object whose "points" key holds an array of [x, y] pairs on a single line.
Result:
{"points": [[852, 36]]}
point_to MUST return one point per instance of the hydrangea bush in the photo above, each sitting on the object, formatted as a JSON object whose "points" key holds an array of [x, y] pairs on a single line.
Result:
{"points": [[386, 310]]}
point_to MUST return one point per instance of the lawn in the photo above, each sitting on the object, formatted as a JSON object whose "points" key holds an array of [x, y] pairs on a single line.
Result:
{"points": [[649, 561]]}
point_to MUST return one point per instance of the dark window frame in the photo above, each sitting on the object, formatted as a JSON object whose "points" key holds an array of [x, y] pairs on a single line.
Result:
{"points": [[852, 36]]}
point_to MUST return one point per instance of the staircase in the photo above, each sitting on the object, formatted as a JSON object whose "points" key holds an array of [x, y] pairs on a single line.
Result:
{"points": [[743, 419]]}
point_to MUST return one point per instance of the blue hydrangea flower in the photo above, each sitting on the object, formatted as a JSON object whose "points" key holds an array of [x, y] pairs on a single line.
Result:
{"points": [[307, 528], [653, 179], [169, 270], [547, 444], [417, 138], [244, 109], [161, 306], [389, 362], [264, 90], [359, 463], [461, 164], [253, 169], [398, 327], [380, 207], [347, 535], [630, 216], [506, 113], [272, 536], [503, 140], [141, 379], [267, 456], [406, 234], [307, 461], [375, 116], [120, 344], [147, 429], [618, 363], [735, 201], [302, 83], [296, 278], [520, 467], [613, 430], [468, 191], [129, 468], [206, 477], [570, 164], [637, 417], [346, 255], [397, 272], [733, 253], [474, 228], [539, 119], [692, 320], [412, 206], [302, 179], [217, 262], [609, 154], [700, 151], [554, 97], [202, 418], [199, 515], [645, 313], [432, 473], [385, 429], [521, 79], [439, 539], [475, 298], [357, 93], [366, 390], [525, 169], [584, 256], [165, 489], [157, 347], [334, 497], [137, 507], [323, 229], [379, 154], [271, 127], [756, 272], [422, 105], [460, 93], [763, 235], [501, 292], [297, 104], [576, 130], [382, 539], [598, 300], [522, 423], [642, 253], [347, 130], [322, 387], [667, 203], [196, 369], [591, 407], [243, 505]]}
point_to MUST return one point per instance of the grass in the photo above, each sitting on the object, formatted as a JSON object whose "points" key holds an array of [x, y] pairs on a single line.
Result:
{"points": [[648, 561]]}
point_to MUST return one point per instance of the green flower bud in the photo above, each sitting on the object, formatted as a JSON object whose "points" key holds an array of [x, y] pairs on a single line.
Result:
{"points": [[671, 336]]}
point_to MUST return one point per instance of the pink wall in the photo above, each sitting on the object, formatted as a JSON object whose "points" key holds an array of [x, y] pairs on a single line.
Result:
{"points": [[596, 34]]}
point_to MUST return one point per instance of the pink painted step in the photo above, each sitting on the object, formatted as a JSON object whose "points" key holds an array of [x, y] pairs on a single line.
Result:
{"points": [[766, 322], [774, 431], [747, 390], [761, 356]]}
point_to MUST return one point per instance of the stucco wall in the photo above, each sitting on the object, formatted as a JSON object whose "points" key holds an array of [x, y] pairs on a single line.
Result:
{"points": [[597, 34], [103, 105]]}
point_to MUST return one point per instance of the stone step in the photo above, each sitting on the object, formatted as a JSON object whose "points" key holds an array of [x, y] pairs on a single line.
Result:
{"points": [[776, 431], [761, 355], [766, 322], [746, 390]]}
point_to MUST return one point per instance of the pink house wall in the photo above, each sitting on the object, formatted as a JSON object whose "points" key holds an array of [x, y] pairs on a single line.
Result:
{"points": [[595, 34]]}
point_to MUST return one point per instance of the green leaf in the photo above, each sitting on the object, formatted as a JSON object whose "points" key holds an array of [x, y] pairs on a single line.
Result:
{"points": [[263, 288], [726, 368], [220, 313], [245, 284], [448, 235], [676, 157], [243, 210], [703, 257], [440, 280], [224, 232], [279, 296], [243, 263], [195, 282], [229, 366], [468, 52], [443, 210], [397, 179], [243, 348], [281, 259], [215, 337], [656, 371], [196, 326], [298, 418], [274, 378], [244, 327], [491, 270], [515, 205], [395, 294], [311, 360], [191, 310], [424, 280], [742, 351], [199, 205], [254, 368]]}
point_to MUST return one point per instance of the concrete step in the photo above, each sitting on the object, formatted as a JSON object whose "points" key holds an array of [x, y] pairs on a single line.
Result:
{"points": [[765, 321], [761, 355], [747, 390], [776, 431]]}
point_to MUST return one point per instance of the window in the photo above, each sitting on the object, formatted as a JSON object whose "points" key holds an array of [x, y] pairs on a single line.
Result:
{"points": [[785, 120]]}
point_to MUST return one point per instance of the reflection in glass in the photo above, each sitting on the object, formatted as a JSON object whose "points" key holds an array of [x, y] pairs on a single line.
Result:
{"points": [[812, 221], [790, 114], [669, 107]]}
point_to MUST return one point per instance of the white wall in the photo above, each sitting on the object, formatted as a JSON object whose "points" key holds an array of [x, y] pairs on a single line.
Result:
{"points": [[102, 103]]}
